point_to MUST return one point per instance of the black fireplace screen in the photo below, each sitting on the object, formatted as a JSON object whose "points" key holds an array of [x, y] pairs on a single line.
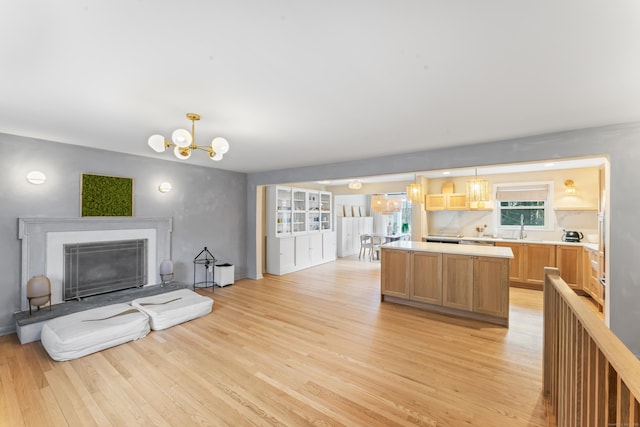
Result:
{"points": [[100, 267]]}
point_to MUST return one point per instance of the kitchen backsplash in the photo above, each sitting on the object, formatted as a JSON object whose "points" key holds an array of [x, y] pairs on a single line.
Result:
{"points": [[467, 222]]}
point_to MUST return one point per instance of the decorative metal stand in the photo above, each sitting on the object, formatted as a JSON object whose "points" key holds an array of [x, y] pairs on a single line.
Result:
{"points": [[206, 259]]}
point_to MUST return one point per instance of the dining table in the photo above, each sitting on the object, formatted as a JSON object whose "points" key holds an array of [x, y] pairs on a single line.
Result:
{"points": [[387, 238]]}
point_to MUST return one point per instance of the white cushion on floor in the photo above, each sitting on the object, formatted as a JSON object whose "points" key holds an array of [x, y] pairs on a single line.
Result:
{"points": [[172, 308], [78, 334]]}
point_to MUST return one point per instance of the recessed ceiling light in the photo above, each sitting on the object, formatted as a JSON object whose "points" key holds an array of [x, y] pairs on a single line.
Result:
{"points": [[446, 173], [548, 165]]}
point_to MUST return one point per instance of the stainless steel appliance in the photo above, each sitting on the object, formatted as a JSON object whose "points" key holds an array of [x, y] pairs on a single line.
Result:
{"points": [[572, 236], [443, 238]]}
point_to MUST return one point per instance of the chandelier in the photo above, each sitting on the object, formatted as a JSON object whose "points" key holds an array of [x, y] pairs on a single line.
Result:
{"points": [[355, 184], [184, 142], [386, 205]]}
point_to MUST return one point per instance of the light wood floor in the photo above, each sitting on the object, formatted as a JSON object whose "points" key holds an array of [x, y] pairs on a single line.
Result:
{"points": [[314, 347]]}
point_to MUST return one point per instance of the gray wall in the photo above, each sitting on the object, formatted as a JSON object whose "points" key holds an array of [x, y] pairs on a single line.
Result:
{"points": [[620, 142], [208, 206]]}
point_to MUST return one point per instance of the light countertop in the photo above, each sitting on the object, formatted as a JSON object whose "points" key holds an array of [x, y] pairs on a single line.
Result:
{"points": [[592, 246], [447, 248]]}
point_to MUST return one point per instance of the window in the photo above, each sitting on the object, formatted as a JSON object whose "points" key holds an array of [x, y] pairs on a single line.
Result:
{"points": [[400, 222], [528, 203]]}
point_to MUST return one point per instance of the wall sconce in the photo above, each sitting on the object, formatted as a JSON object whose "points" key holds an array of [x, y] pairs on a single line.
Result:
{"points": [[569, 187], [36, 177], [165, 187], [355, 184]]}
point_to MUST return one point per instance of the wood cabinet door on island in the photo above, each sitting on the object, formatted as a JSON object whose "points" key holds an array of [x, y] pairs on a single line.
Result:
{"points": [[488, 298], [395, 273], [427, 277], [457, 281]]}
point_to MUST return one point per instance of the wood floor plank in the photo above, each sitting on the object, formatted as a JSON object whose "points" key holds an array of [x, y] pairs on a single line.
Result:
{"points": [[315, 347]]}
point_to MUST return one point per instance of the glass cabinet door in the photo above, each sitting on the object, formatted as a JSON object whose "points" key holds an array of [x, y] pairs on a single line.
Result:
{"points": [[325, 211], [313, 209], [283, 211], [299, 211]]}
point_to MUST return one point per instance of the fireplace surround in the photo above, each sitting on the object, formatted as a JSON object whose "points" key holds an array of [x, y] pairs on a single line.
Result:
{"points": [[43, 240]]}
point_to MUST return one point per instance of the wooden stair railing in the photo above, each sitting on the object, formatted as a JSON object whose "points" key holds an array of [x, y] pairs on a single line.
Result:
{"points": [[590, 378]]}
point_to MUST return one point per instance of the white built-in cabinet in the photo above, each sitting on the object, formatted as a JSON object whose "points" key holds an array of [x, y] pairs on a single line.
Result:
{"points": [[299, 229], [348, 232]]}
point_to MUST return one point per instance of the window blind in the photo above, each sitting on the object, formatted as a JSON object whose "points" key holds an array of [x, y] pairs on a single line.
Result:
{"points": [[522, 193]]}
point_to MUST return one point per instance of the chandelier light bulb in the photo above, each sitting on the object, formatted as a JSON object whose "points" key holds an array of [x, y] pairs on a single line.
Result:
{"points": [[181, 137], [183, 153], [157, 143], [216, 156], [220, 145]]}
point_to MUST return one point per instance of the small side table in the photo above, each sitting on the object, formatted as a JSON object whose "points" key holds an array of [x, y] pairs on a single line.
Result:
{"points": [[206, 259]]}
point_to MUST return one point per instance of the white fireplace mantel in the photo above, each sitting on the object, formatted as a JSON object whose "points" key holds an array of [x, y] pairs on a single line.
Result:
{"points": [[38, 233]]}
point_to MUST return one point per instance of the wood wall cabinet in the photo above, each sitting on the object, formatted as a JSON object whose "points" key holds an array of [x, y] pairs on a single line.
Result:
{"points": [[395, 275], [569, 262], [440, 202], [457, 281]]}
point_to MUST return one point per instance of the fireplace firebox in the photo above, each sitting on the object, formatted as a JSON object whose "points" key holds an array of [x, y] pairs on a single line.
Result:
{"points": [[99, 267]]}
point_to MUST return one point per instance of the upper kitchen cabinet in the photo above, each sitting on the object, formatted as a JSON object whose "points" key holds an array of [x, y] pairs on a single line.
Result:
{"points": [[449, 200], [440, 202]]}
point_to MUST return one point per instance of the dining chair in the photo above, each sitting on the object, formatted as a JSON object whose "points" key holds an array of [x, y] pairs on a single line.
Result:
{"points": [[365, 244], [376, 242]]}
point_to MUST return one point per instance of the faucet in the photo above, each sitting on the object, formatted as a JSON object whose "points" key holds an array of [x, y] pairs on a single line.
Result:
{"points": [[522, 233]]}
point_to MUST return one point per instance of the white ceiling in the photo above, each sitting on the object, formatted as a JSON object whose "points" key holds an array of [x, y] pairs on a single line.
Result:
{"points": [[296, 83]]}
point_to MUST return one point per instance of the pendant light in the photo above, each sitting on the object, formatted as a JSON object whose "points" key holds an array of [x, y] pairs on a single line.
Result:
{"points": [[414, 193], [477, 192]]}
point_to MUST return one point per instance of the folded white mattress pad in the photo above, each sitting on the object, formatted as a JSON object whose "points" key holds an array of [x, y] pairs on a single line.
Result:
{"points": [[79, 334], [171, 308]]}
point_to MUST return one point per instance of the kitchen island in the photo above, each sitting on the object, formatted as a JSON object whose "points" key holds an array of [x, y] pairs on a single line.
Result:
{"points": [[462, 280]]}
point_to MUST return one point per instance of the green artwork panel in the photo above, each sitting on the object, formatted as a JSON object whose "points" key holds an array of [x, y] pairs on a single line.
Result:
{"points": [[106, 195]]}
